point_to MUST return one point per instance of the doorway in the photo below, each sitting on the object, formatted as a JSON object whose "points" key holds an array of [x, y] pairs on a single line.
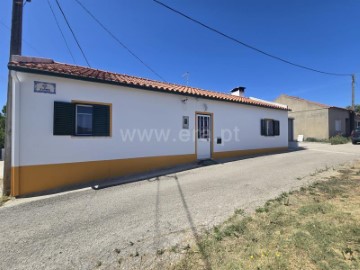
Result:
{"points": [[203, 136]]}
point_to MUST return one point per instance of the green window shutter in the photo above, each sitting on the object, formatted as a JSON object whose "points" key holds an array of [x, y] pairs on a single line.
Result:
{"points": [[101, 120], [263, 127], [276, 128], [64, 118]]}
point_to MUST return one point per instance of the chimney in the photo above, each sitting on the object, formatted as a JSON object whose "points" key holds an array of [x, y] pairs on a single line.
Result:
{"points": [[238, 91]]}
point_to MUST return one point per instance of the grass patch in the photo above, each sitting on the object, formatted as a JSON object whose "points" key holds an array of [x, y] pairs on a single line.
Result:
{"points": [[317, 227]]}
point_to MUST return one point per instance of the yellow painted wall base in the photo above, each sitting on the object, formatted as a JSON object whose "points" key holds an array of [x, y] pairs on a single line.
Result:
{"points": [[39, 178], [238, 153]]}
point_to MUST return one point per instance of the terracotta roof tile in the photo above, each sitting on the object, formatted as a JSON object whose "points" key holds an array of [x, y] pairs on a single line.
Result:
{"points": [[50, 67]]}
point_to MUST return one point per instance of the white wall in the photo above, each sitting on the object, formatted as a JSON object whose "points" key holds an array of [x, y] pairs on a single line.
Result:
{"points": [[132, 109]]}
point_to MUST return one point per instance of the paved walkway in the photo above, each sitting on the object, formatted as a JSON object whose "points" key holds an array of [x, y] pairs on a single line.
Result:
{"points": [[131, 223]]}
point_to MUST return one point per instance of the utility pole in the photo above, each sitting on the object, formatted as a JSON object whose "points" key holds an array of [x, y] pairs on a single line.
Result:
{"points": [[353, 93], [15, 49]]}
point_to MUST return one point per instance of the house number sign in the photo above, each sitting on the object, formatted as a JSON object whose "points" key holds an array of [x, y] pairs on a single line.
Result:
{"points": [[44, 87]]}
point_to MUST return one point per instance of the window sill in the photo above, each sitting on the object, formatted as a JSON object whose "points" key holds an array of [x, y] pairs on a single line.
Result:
{"points": [[89, 136]]}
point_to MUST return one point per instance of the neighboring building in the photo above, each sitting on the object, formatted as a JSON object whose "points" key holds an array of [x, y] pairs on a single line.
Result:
{"points": [[315, 120], [357, 120], [75, 125]]}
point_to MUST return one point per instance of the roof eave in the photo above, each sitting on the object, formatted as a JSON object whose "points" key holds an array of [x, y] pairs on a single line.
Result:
{"points": [[155, 89]]}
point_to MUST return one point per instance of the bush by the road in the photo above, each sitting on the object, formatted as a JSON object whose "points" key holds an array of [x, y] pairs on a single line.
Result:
{"points": [[338, 139]]}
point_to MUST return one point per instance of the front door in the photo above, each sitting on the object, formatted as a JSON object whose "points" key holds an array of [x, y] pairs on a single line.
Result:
{"points": [[203, 136]]}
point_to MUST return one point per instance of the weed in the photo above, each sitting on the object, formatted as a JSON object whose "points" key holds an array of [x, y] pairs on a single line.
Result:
{"points": [[261, 209], [287, 201], [338, 139], [318, 230], [315, 208], [160, 252], [186, 247], [239, 212], [136, 254], [175, 248]]}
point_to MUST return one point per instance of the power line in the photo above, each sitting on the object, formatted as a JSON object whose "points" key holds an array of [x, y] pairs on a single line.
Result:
{"points": [[62, 34], [68, 24], [25, 41], [118, 41], [247, 45]]}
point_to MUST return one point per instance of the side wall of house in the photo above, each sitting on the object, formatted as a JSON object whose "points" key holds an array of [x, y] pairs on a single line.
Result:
{"points": [[147, 133], [339, 122], [310, 119], [357, 121]]}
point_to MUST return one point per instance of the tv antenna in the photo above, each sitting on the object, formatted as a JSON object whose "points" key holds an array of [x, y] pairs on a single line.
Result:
{"points": [[186, 76]]}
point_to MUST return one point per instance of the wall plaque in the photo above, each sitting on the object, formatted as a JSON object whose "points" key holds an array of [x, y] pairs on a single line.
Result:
{"points": [[44, 87]]}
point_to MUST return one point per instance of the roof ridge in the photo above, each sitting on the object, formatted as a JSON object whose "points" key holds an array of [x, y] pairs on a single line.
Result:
{"points": [[136, 77], [86, 73]]}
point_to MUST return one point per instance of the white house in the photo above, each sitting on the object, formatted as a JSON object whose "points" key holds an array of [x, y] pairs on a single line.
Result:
{"points": [[75, 125]]}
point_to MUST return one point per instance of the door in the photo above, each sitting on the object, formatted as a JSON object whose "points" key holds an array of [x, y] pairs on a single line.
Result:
{"points": [[291, 129], [203, 136]]}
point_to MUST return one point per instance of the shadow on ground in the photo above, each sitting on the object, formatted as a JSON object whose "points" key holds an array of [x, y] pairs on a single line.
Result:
{"points": [[107, 183]]}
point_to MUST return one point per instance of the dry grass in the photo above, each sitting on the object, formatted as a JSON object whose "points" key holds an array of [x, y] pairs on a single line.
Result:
{"points": [[314, 228]]}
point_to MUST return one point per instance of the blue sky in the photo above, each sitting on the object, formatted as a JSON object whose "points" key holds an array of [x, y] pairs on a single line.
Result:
{"points": [[322, 34]]}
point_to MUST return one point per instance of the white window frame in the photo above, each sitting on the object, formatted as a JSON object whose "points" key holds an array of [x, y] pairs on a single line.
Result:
{"points": [[76, 119]]}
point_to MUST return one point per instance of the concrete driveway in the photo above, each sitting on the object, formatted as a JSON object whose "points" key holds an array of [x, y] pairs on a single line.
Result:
{"points": [[127, 226]]}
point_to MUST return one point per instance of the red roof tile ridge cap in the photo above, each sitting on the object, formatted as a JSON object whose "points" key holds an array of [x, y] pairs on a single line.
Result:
{"points": [[142, 78], [153, 83], [131, 76]]}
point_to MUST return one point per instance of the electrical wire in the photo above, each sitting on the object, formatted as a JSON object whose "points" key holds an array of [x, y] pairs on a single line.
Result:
{"points": [[68, 24], [118, 41], [247, 45], [25, 41], [62, 34]]}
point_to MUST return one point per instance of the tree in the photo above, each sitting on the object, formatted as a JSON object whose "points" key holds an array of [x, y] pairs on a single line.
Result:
{"points": [[357, 108], [2, 126]]}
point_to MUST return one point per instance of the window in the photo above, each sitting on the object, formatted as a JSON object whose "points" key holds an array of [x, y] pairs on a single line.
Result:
{"points": [[337, 125], [81, 119], [203, 127], [270, 127], [84, 119], [358, 124]]}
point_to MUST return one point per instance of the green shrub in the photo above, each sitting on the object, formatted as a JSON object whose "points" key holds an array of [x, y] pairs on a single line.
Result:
{"points": [[312, 139], [338, 139]]}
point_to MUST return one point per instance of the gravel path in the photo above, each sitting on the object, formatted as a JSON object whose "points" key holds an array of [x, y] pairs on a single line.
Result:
{"points": [[128, 226]]}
